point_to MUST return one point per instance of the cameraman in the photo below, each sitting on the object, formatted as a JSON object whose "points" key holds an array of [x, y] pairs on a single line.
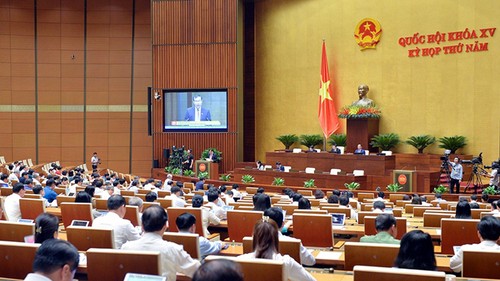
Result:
{"points": [[494, 175], [456, 174]]}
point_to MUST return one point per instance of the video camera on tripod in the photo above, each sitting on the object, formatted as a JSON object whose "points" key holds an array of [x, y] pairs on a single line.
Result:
{"points": [[494, 165], [475, 161], [445, 159]]}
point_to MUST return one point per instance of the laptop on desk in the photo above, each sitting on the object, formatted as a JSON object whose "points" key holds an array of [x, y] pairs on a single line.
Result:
{"points": [[338, 220]]}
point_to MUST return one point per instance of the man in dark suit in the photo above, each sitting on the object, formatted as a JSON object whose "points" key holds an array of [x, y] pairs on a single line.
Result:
{"points": [[335, 149], [196, 112], [280, 167]]}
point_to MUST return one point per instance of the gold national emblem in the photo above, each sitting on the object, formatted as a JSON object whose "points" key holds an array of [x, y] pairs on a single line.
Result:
{"points": [[367, 33]]}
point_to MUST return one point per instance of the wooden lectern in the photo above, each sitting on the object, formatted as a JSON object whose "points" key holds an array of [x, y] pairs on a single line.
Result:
{"points": [[360, 131], [207, 166]]}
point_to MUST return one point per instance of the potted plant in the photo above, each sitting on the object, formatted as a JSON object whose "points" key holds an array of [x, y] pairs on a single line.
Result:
{"points": [[352, 186], [225, 177], [441, 189], [385, 141], [288, 140], [176, 171], [247, 179], [309, 183], [421, 142], [490, 190], [338, 139], [188, 173], [311, 140], [217, 153], [278, 181], [453, 143], [394, 187], [203, 175]]}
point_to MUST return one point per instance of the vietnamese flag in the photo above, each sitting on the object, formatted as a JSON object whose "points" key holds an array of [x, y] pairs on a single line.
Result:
{"points": [[327, 115]]}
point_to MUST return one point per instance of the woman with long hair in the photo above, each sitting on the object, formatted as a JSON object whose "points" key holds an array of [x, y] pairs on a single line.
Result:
{"points": [[46, 227], [463, 210], [416, 251], [266, 246]]}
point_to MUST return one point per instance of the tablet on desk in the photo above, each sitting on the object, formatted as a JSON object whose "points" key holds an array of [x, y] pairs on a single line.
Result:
{"points": [[79, 223], [227, 208], [143, 277], [25, 220]]}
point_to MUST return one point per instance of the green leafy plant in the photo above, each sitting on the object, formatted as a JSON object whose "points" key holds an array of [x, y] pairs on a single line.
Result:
{"points": [[247, 179], [309, 183], [490, 190], [217, 153], [385, 141], [168, 169], [440, 189], [338, 139], [225, 177], [278, 181], [453, 143], [352, 186], [311, 140], [175, 160], [394, 187], [288, 140], [203, 175], [188, 173], [176, 171], [421, 142]]}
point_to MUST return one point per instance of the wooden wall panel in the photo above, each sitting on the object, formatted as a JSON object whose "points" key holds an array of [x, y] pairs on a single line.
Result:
{"points": [[194, 46]]}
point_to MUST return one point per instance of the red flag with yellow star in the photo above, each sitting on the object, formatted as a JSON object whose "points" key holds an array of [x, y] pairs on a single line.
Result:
{"points": [[327, 114]]}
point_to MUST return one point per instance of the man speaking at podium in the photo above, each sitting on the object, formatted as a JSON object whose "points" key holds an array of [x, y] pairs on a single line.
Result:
{"points": [[196, 112]]}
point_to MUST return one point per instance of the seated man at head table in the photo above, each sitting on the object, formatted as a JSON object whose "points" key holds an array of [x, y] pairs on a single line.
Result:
{"points": [[385, 224], [123, 230], [173, 258], [488, 231], [55, 260], [335, 149], [359, 150]]}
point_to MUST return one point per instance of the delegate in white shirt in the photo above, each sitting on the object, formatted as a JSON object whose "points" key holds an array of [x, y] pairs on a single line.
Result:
{"points": [[123, 230], [11, 206]]}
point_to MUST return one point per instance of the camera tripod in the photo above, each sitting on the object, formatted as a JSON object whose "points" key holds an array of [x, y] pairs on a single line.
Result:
{"points": [[475, 178], [444, 170]]}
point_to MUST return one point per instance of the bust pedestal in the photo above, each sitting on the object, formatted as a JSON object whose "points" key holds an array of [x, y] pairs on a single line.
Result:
{"points": [[360, 131]]}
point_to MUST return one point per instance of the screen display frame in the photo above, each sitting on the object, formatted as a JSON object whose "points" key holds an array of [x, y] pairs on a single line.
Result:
{"points": [[188, 94]]}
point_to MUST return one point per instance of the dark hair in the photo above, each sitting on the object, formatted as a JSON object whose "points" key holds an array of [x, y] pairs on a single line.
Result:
{"points": [[185, 221], [378, 205], [4, 176], [416, 200], [489, 228], [37, 189], [333, 199], [265, 239], [318, 194], [473, 197], [494, 205], [304, 204], [45, 226], [235, 186], [416, 251], [219, 270], [381, 194], [223, 188], [485, 197], [175, 189], [463, 210], [438, 195], [336, 192], [115, 202], [50, 182], [83, 197], [260, 190], [474, 205], [343, 200], [154, 218], [212, 195], [90, 190], [296, 197], [151, 197], [54, 254], [276, 214], [262, 202], [197, 201], [384, 222], [28, 181], [17, 187]]}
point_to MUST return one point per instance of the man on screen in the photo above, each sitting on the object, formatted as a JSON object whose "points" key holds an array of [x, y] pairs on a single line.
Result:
{"points": [[196, 112]]}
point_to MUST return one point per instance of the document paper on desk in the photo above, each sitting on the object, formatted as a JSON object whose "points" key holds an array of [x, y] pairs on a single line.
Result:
{"points": [[326, 255]]}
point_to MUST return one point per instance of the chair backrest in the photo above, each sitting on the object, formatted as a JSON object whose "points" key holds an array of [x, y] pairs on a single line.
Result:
{"points": [[305, 192], [334, 171], [84, 238], [31, 208], [189, 185], [241, 223], [362, 273], [189, 241], [174, 212], [475, 213], [457, 232], [132, 214], [64, 198], [358, 172], [76, 211], [251, 189], [401, 226], [322, 236], [287, 247], [33, 196], [15, 231], [481, 264], [310, 170], [363, 195], [338, 210], [163, 193], [309, 211], [60, 190], [363, 214], [289, 208], [5, 191], [374, 254], [143, 191], [16, 259], [101, 204], [257, 269], [434, 219], [419, 211], [127, 192], [395, 196], [409, 208], [110, 264]]}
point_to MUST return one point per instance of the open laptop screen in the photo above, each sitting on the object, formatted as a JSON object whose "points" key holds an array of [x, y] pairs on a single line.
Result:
{"points": [[338, 219]]}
